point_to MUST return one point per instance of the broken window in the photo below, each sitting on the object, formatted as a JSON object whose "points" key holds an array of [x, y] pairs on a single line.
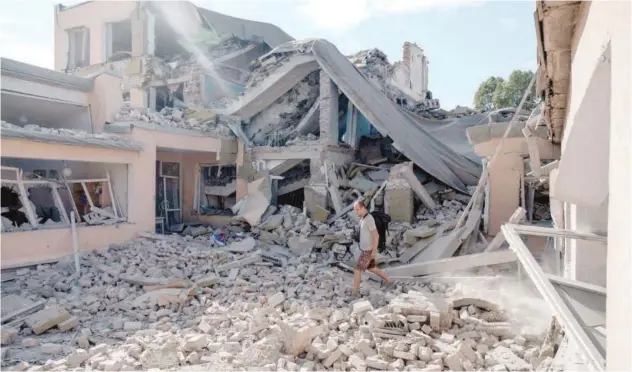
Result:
{"points": [[119, 40], [78, 47], [41, 198], [217, 188]]}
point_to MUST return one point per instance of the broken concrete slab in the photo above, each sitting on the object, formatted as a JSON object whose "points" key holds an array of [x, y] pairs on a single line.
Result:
{"points": [[412, 236], [46, 319], [242, 246], [257, 201], [452, 264], [300, 245], [418, 188], [273, 222]]}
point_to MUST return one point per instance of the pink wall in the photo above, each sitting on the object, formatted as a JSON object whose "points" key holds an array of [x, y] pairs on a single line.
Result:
{"points": [[105, 100], [93, 15], [29, 247], [47, 244], [188, 173]]}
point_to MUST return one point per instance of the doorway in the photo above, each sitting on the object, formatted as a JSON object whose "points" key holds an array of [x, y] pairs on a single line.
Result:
{"points": [[168, 206]]}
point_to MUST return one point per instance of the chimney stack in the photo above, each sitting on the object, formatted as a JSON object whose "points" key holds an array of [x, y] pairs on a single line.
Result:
{"points": [[406, 54]]}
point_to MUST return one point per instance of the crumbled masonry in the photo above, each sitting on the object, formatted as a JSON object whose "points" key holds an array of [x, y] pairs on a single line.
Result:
{"points": [[169, 302]]}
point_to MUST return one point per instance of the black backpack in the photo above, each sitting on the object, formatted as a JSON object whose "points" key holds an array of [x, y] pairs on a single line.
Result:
{"points": [[381, 224]]}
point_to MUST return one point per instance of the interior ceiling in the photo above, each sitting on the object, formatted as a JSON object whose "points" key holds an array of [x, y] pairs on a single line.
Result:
{"points": [[43, 112]]}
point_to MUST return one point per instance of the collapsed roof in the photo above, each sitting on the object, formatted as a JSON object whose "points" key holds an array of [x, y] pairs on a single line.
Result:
{"points": [[423, 141]]}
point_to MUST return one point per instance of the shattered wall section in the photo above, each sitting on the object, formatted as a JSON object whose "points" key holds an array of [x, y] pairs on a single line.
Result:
{"points": [[276, 124]]}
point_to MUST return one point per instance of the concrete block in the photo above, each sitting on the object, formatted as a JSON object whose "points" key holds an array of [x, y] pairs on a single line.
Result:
{"points": [[376, 363], [453, 362], [68, 324], [366, 349], [361, 307], [8, 335], [398, 203], [46, 319], [195, 342], [276, 299]]}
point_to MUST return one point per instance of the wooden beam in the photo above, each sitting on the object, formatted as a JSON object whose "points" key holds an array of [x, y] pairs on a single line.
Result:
{"points": [[564, 315], [554, 232]]}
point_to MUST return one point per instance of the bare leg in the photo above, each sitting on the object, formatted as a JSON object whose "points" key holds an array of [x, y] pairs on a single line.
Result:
{"points": [[357, 275], [381, 274]]}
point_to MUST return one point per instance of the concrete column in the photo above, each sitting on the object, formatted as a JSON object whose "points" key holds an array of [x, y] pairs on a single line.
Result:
{"points": [[586, 260], [328, 120], [398, 195], [351, 135], [316, 201], [505, 176], [244, 170], [139, 32]]}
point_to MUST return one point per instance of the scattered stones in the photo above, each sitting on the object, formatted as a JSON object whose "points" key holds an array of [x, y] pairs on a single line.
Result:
{"points": [[158, 302]]}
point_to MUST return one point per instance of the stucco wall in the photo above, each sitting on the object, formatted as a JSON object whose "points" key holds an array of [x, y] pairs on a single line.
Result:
{"points": [[608, 23], [31, 247], [93, 15], [34, 246], [105, 100]]}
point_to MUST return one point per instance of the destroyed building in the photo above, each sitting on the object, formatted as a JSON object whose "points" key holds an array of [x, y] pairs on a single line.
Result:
{"points": [[479, 203], [165, 52]]}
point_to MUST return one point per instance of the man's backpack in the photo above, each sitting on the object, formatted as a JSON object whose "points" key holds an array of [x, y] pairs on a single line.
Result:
{"points": [[381, 224]]}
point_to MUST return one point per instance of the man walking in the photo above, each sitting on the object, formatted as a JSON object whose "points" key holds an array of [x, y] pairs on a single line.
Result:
{"points": [[369, 240]]}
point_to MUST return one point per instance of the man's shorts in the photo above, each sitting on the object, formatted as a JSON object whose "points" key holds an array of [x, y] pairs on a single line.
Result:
{"points": [[366, 261]]}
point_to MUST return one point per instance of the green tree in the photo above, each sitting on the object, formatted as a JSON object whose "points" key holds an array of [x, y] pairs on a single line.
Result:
{"points": [[496, 93], [510, 92], [484, 96]]}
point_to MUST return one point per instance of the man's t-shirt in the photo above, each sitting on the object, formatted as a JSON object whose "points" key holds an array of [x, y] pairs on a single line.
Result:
{"points": [[367, 226]]}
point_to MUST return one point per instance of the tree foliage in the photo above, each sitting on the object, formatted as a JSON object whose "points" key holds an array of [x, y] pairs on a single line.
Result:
{"points": [[496, 93], [484, 96]]}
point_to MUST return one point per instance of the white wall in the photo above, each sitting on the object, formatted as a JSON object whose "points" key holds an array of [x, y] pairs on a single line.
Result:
{"points": [[608, 25], [417, 71]]}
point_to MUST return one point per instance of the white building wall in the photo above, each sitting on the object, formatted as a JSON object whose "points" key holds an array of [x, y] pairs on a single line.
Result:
{"points": [[602, 63], [417, 71]]}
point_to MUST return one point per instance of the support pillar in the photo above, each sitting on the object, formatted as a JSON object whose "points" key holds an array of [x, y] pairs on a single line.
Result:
{"points": [[505, 177], [328, 120], [351, 136], [398, 196], [244, 170]]}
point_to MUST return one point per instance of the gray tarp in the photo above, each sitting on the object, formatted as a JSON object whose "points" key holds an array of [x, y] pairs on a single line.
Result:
{"points": [[411, 137]]}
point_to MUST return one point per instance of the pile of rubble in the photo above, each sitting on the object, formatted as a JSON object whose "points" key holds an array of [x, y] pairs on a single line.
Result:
{"points": [[263, 67], [165, 302], [35, 130], [175, 118], [275, 125]]}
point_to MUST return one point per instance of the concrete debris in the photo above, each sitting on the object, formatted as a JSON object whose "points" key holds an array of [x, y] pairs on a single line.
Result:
{"points": [[244, 313], [175, 118], [34, 131]]}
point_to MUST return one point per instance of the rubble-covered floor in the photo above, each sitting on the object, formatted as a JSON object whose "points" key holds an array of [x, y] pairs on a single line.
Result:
{"points": [[184, 303]]}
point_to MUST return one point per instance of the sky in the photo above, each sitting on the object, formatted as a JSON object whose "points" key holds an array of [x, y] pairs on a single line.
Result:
{"points": [[466, 41]]}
